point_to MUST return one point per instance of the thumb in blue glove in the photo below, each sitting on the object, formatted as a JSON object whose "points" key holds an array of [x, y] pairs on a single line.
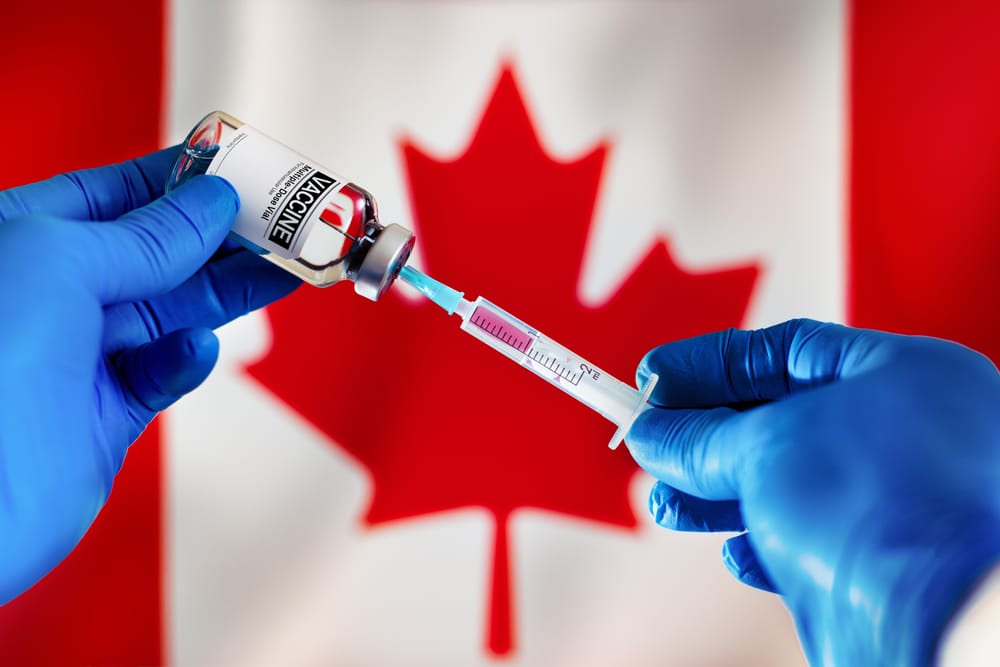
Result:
{"points": [[864, 468], [109, 291]]}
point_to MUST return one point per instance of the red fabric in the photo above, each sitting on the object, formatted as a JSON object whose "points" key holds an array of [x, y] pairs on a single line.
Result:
{"points": [[925, 169], [82, 86]]}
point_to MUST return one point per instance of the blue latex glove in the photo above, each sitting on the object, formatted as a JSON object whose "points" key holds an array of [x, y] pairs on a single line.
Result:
{"points": [[108, 294], [865, 467]]}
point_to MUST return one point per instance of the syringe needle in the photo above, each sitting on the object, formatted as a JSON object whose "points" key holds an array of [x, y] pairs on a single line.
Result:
{"points": [[434, 290]]}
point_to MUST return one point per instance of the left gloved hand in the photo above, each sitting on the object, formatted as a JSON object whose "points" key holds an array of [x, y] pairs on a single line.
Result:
{"points": [[108, 294]]}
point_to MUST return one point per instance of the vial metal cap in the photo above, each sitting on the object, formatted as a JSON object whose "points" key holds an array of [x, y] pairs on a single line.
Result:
{"points": [[384, 259]]}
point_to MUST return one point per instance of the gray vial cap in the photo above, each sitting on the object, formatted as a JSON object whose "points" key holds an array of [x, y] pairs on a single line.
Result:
{"points": [[382, 264]]}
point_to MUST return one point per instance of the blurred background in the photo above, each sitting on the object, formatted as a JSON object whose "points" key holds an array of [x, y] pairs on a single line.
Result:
{"points": [[357, 484]]}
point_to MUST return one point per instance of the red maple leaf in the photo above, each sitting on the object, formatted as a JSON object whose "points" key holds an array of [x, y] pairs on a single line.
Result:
{"points": [[443, 422]]}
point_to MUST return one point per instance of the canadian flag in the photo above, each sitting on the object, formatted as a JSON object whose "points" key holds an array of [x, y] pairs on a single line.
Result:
{"points": [[360, 483]]}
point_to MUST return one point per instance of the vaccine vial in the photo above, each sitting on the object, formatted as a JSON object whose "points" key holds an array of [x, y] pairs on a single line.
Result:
{"points": [[295, 212]]}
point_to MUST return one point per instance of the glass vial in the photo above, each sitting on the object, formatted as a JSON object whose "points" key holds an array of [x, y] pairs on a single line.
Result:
{"points": [[294, 212]]}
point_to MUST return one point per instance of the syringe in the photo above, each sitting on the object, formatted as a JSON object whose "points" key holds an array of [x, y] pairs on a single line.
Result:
{"points": [[601, 391]]}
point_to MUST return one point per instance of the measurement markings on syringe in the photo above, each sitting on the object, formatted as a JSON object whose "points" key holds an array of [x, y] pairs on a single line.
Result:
{"points": [[521, 341], [571, 376]]}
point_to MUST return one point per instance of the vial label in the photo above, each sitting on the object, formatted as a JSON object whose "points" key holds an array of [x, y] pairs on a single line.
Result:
{"points": [[284, 195]]}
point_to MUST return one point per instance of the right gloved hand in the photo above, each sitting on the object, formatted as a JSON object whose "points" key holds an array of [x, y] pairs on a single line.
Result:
{"points": [[863, 466]]}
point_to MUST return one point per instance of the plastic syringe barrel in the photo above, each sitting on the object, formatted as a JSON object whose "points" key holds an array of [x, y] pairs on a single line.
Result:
{"points": [[522, 343]]}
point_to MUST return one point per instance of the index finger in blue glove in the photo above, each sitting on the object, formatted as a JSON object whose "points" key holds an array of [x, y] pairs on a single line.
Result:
{"points": [[153, 249], [700, 452], [736, 366], [703, 451], [104, 193], [220, 291]]}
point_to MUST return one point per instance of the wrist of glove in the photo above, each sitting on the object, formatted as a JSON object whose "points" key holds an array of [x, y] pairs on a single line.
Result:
{"points": [[894, 593], [860, 468]]}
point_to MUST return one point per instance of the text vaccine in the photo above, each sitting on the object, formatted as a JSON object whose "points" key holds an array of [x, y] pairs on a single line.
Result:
{"points": [[295, 212]]}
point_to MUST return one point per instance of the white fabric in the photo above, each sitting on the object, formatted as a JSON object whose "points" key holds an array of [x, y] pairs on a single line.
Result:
{"points": [[972, 638], [725, 121]]}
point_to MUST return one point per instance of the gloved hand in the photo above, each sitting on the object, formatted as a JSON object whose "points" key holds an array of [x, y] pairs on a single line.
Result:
{"points": [[108, 294], [864, 466]]}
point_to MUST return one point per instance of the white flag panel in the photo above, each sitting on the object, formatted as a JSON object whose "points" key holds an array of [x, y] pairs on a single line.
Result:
{"points": [[725, 127]]}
